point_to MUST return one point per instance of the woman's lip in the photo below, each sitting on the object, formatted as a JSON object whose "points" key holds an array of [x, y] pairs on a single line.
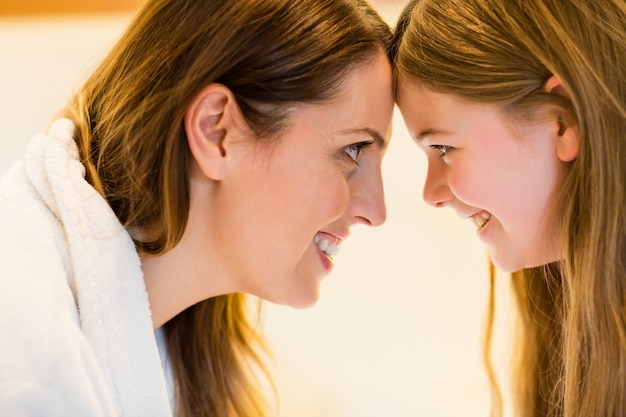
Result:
{"points": [[327, 261], [341, 236], [327, 245]]}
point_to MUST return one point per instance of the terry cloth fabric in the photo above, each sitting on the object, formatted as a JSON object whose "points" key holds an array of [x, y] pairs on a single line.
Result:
{"points": [[77, 337]]}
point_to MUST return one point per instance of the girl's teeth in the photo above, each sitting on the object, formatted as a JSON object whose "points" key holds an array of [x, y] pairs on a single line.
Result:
{"points": [[481, 219]]}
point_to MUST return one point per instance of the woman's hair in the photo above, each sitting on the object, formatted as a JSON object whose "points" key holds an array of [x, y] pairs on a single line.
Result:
{"points": [[272, 54], [572, 357]]}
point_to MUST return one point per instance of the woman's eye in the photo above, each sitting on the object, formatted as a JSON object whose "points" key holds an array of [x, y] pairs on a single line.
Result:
{"points": [[355, 149], [444, 149]]}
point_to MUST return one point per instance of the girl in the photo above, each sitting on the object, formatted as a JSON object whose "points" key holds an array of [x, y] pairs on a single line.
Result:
{"points": [[520, 107]]}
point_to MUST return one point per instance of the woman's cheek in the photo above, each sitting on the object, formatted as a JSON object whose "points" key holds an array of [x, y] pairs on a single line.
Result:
{"points": [[328, 196]]}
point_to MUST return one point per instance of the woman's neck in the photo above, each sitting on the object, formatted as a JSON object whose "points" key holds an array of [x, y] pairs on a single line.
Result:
{"points": [[180, 278]]}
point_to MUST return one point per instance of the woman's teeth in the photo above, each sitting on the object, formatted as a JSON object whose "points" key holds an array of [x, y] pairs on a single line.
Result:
{"points": [[481, 219], [325, 245]]}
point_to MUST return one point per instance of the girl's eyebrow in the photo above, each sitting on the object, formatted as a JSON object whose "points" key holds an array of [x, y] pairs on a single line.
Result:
{"points": [[429, 132]]}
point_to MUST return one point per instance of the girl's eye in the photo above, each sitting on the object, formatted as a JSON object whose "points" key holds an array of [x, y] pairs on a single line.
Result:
{"points": [[444, 149], [355, 149]]}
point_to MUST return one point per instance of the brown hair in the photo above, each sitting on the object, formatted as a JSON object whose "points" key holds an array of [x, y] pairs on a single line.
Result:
{"points": [[271, 54], [572, 355]]}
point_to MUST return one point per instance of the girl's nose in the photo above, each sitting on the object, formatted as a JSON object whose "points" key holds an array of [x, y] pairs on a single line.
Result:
{"points": [[436, 191]]}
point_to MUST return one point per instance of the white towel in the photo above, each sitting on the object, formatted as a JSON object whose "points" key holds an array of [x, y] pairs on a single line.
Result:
{"points": [[77, 334]]}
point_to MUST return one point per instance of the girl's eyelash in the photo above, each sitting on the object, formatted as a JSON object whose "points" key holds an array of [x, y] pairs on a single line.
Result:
{"points": [[444, 149]]}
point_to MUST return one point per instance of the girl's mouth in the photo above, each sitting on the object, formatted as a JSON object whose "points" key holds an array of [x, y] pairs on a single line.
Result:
{"points": [[481, 219]]}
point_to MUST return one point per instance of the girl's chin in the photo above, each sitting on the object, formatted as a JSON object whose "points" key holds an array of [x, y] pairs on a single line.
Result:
{"points": [[510, 266]]}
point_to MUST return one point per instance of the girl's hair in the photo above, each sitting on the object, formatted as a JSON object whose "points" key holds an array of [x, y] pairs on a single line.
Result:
{"points": [[272, 54], [572, 361]]}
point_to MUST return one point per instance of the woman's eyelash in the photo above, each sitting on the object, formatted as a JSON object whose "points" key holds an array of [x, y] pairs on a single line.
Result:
{"points": [[355, 149], [444, 149]]}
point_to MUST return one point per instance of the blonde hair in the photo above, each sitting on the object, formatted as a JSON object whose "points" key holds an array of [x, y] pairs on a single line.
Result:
{"points": [[572, 356], [129, 115]]}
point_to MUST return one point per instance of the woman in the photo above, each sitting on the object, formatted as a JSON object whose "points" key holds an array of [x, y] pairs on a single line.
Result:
{"points": [[222, 148], [520, 107]]}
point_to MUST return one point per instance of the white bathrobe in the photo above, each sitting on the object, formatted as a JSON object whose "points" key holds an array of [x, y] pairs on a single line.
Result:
{"points": [[76, 335]]}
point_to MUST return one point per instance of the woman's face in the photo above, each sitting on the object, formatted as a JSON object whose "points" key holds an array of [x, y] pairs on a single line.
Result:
{"points": [[290, 206], [503, 177]]}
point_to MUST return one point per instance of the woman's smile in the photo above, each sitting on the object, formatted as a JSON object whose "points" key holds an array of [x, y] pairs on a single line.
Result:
{"points": [[327, 243]]}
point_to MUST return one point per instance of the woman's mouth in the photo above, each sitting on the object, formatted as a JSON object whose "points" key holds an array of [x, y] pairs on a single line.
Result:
{"points": [[327, 243], [481, 219]]}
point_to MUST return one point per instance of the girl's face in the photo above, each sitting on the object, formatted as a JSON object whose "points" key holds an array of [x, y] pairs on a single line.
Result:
{"points": [[500, 175], [292, 201]]}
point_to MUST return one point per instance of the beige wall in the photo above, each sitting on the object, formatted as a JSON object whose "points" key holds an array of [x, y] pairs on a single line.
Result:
{"points": [[34, 7], [397, 330], [47, 7]]}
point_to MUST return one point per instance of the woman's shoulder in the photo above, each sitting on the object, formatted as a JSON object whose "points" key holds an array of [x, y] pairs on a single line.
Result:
{"points": [[30, 243], [47, 359], [34, 291]]}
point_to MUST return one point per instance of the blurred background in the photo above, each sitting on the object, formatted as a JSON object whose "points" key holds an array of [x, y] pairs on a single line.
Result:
{"points": [[398, 329]]}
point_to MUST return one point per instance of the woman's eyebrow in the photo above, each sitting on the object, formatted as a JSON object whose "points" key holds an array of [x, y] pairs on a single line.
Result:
{"points": [[379, 140]]}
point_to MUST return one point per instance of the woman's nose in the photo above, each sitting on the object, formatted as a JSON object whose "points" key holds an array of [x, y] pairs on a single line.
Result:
{"points": [[367, 199], [436, 191]]}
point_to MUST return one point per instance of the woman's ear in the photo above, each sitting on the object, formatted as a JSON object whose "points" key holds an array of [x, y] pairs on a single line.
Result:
{"points": [[211, 117], [567, 134]]}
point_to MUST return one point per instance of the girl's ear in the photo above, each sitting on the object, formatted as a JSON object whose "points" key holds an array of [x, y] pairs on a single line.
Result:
{"points": [[211, 119], [567, 134], [567, 142], [555, 86]]}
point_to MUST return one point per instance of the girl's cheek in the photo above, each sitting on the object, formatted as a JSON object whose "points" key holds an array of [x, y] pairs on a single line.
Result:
{"points": [[464, 187]]}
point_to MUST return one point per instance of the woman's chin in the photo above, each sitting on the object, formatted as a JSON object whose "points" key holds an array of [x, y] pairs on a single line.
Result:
{"points": [[301, 301]]}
